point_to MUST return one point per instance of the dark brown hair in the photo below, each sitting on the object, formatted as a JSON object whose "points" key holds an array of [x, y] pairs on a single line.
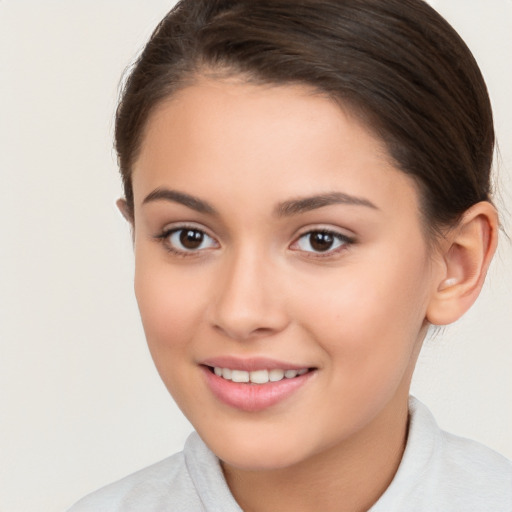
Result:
{"points": [[397, 64]]}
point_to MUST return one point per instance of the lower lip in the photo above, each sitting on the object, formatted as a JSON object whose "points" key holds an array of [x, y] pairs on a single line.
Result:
{"points": [[253, 397]]}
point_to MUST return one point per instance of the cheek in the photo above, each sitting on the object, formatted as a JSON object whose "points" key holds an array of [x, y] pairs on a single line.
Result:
{"points": [[168, 305], [372, 310], [170, 313], [369, 322]]}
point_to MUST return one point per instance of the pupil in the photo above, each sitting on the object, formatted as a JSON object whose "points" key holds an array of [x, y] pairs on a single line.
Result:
{"points": [[321, 241], [191, 239]]}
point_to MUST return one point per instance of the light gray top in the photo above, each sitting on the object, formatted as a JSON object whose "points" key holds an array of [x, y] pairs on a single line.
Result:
{"points": [[438, 472]]}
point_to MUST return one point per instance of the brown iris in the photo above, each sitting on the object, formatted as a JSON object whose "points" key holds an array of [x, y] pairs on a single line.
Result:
{"points": [[321, 241], [191, 238]]}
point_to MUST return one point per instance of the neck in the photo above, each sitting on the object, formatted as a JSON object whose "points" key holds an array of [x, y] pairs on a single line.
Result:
{"points": [[349, 477]]}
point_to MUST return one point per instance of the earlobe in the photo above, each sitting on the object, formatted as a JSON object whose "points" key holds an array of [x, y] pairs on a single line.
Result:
{"points": [[466, 257]]}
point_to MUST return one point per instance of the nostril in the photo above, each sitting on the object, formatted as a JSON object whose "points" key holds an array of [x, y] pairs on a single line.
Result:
{"points": [[242, 333]]}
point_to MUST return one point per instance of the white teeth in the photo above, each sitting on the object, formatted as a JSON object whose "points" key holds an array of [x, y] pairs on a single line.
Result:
{"points": [[257, 376], [275, 375], [239, 375]]}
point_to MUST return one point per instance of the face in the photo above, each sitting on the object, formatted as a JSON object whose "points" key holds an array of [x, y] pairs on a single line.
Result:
{"points": [[275, 243]]}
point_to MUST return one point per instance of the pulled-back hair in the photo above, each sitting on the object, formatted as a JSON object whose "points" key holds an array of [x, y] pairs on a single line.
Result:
{"points": [[396, 64]]}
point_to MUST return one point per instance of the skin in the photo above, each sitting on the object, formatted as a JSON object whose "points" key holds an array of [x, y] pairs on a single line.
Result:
{"points": [[357, 314]]}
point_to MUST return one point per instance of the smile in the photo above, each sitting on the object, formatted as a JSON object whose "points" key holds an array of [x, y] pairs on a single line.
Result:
{"points": [[261, 385], [257, 376]]}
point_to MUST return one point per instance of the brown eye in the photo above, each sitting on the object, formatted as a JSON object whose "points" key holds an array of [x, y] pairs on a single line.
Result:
{"points": [[321, 241], [191, 238], [184, 240]]}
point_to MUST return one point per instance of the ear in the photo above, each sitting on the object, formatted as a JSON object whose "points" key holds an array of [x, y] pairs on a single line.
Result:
{"points": [[466, 254], [125, 210]]}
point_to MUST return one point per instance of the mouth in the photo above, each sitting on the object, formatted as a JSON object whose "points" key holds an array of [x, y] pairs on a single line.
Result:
{"points": [[258, 376], [256, 387]]}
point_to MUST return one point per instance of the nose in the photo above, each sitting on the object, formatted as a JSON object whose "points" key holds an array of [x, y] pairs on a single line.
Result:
{"points": [[248, 302]]}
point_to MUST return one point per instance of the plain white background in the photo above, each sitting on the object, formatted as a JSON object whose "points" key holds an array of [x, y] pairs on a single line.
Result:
{"points": [[80, 402]]}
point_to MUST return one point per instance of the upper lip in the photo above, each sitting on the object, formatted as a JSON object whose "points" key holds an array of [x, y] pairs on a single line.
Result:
{"points": [[251, 364]]}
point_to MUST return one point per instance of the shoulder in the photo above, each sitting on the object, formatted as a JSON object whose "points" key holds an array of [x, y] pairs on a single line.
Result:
{"points": [[165, 483], [478, 473], [441, 471], [189, 481], [463, 464]]}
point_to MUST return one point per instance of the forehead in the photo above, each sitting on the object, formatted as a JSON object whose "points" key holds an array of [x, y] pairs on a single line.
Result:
{"points": [[239, 139]]}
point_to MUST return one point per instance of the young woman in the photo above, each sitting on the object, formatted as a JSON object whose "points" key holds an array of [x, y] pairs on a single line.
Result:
{"points": [[308, 188]]}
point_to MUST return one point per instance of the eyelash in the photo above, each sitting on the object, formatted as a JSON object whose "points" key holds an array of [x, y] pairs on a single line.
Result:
{"points": [[184, 253], [344, 242]]}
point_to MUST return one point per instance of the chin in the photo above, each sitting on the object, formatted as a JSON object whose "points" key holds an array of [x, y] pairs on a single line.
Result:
{"points": [[253, 452], [259, 460]]}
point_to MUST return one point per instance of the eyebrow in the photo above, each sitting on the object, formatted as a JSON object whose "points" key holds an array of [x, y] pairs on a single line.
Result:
{"points": [[301, 205], [174, 196], [284, 209]]}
